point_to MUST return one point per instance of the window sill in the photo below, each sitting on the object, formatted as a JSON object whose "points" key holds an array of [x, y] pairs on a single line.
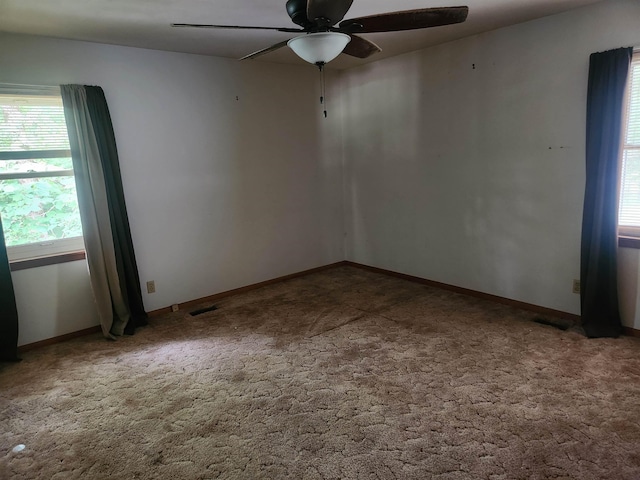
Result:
{"points": [[48, 260], [629, 242]]}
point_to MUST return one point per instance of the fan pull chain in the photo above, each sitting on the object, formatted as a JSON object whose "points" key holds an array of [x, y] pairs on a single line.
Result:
{"points": [[323, 88]]}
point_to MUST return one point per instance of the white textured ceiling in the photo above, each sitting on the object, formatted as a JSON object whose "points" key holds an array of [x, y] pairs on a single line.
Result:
{"points": [[145, 23]]}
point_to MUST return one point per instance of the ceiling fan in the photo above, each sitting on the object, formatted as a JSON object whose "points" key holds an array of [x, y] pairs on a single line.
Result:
{"points": [[321, 40]]}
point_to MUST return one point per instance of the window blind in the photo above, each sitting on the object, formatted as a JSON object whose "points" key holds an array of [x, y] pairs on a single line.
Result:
{"points": [[33, 125], [629, 211]]}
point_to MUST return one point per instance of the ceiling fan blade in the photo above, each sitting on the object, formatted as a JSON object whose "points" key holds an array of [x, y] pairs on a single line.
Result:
{"points": [[265, 50], [360, 47], [406, 20], [331, 10], [237, 27]]}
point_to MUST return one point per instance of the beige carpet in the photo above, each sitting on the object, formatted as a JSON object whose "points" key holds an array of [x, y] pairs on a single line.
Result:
{"points": [[343, 374]]}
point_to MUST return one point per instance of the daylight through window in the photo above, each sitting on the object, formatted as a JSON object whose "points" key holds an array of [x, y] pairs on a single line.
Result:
{"points": [[629, 212], [38, 201]]}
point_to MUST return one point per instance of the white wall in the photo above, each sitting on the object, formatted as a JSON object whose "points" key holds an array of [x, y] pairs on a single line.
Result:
{"points": [[465, 162], [629, 286], [221, 160], [53, 300]]}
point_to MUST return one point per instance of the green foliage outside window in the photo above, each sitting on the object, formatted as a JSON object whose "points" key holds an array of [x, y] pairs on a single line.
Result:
{"points": [[36, 210]]}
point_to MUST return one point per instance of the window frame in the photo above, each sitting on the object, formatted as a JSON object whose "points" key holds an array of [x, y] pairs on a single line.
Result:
{"points": [[628, 236], [30, 255]]}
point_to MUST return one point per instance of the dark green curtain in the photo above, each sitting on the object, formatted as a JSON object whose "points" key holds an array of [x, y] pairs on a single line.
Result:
{"points": [[125, 256], [608, 73], [8, 310]]}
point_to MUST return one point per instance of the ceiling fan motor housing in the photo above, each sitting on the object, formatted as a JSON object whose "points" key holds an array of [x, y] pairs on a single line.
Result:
{"points": [[297, 10]]}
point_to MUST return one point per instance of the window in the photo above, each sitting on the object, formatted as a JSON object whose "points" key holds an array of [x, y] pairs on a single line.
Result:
{"points": [[38, 199], [629, 211]]}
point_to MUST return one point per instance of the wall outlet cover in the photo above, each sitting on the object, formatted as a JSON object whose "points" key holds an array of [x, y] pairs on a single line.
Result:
{"points": [[576, 286]]}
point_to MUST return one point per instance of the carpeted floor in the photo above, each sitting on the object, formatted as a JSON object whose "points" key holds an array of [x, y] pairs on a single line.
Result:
{"points": [[343, 374]]}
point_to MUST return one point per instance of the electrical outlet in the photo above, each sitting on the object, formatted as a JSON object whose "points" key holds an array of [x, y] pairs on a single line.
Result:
{"points": [[175, 307], [151, 286], [576, 286]]}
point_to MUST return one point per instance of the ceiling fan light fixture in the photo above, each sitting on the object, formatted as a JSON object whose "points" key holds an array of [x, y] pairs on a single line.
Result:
{"points": [[319, 47]]}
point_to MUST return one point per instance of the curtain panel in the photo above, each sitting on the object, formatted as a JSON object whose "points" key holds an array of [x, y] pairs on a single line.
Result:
{"points": [[608, 73], [8, 309], [109, 248]]}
